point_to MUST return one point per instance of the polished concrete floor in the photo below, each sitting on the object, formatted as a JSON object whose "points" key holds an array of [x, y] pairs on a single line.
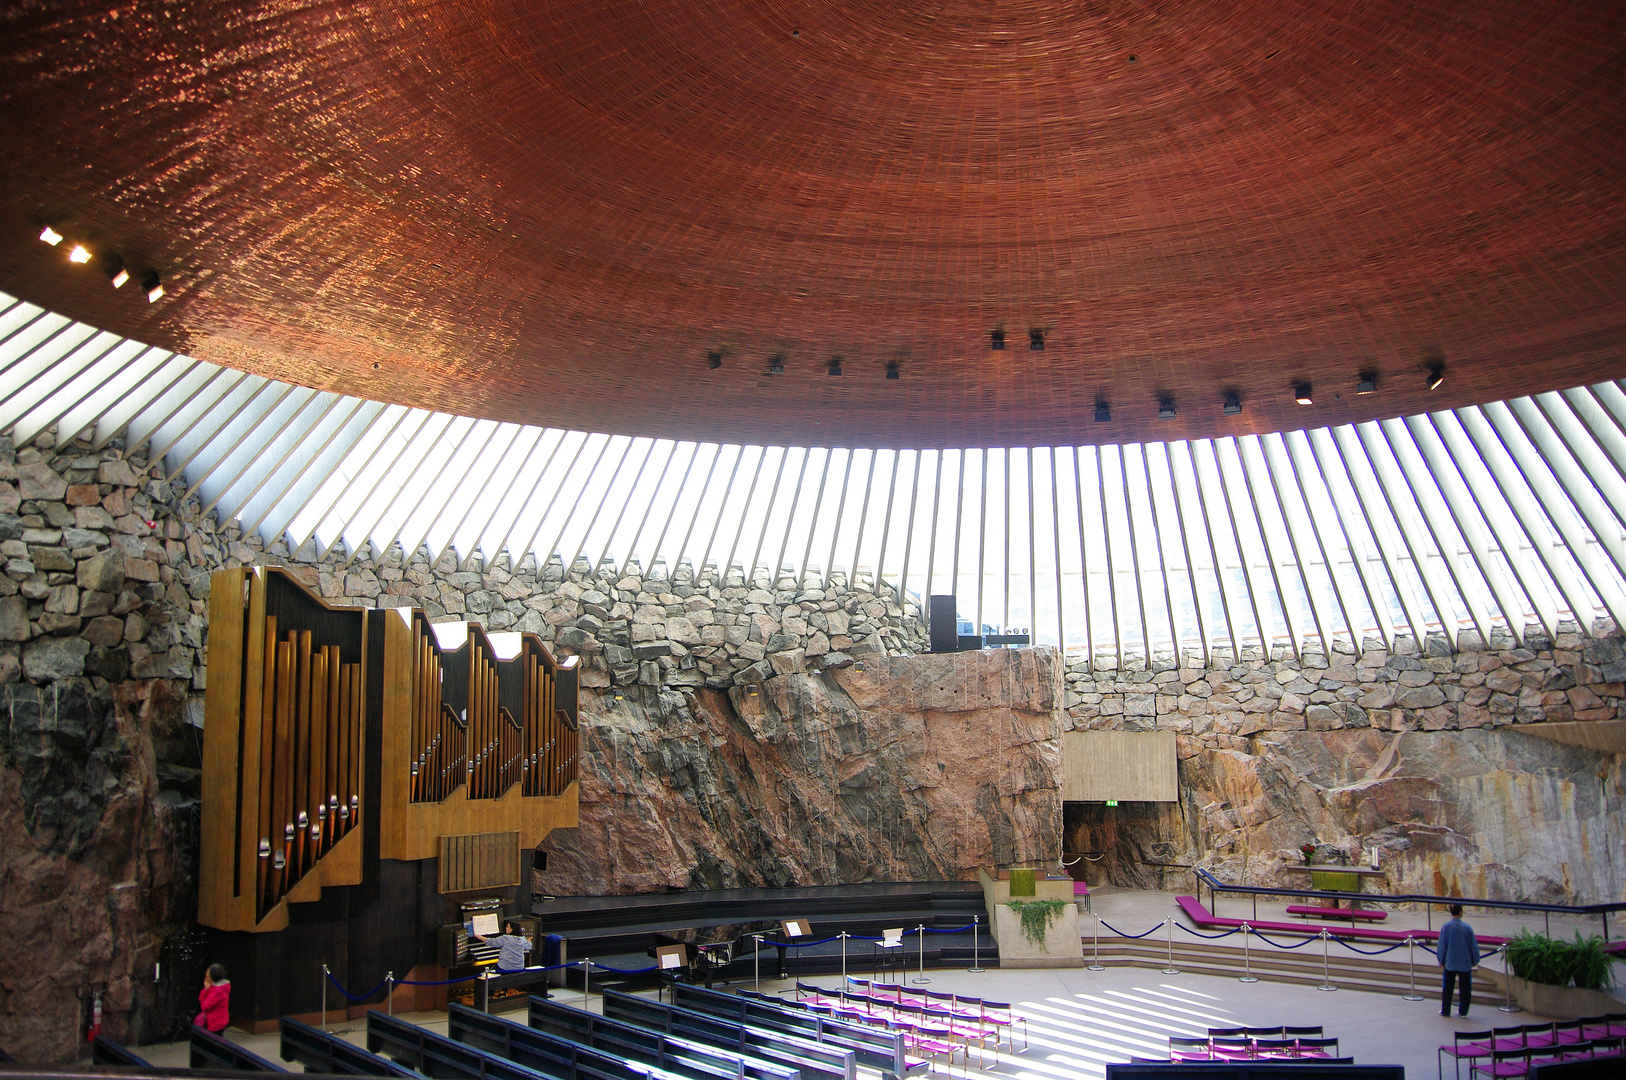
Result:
{"points": [[1078, 1020]]}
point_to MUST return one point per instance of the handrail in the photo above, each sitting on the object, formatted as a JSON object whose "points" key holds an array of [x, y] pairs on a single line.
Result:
{"points": [[1217, 886]]}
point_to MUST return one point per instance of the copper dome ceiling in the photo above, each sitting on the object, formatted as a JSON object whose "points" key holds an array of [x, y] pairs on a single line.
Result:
{"points": [[554, 212]]}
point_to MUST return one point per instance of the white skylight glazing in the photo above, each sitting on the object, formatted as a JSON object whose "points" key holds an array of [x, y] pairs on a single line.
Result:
{"points": [[1490, 519]]}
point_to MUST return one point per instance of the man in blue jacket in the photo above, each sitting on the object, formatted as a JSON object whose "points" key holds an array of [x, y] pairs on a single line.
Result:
{"points": [[1458, 954]]}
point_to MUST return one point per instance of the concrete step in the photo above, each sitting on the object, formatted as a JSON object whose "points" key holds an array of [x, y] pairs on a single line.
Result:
{"points": [[1304, 966]]}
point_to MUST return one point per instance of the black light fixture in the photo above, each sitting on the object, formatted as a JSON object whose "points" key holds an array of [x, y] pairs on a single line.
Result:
{"points": [[714, 360], [1367, 383], [50, 236], [1165, 408], [1436, 376], [776, 365], [113, 267], [996, 340], [1036, 340], [892, 369], [152, 287], [1103, 412], [835, 365], [1233, 403], [1301, 393]]}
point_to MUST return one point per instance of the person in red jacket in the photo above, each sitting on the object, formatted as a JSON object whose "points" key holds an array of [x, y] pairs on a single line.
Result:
{"points": [[215, 1000]]}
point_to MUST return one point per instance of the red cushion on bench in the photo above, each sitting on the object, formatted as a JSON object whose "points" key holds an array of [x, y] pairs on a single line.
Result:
{"points": [[1337, 913]]}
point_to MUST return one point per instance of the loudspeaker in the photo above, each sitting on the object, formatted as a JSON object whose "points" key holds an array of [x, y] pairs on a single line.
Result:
{"points": [[944, 616]]}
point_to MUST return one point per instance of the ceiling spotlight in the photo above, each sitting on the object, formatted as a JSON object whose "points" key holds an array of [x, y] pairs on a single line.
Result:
{"points": [[996, 340], [79, 254], [1301, 394], [776, 365], [1036, 340], [113, 267], [1233, 403], [1103, 412], [50, 236], [152, 287], [835, 365], [892, 369], [714, 360], [1165, 408], [1367, 383], [1436, 376]]}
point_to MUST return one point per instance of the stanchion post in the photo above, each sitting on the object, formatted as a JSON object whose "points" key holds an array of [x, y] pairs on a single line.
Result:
{"points": [[1096, 964], [1168, 924], [1411, 962], [921, 978], [325, 974], [485, 992], [844, 959], [587, 973], [976, 941], [1326, 977], [1507, 1005], [1247, 963], [756, 962], [389, 993]]}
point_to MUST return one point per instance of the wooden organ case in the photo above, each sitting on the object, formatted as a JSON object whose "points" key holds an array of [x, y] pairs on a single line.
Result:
{"points": [[359, 767]]}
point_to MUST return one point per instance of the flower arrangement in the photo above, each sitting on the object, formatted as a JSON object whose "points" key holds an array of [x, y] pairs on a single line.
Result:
{"points": [[1308, 851]]}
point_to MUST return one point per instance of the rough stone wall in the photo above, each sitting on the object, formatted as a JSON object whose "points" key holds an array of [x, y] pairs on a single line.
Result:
{"points": [[738, 733], [1427, 757]]}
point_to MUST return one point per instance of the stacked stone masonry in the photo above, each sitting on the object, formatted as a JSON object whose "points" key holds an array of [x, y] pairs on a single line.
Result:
{"points": [[741, 732]]}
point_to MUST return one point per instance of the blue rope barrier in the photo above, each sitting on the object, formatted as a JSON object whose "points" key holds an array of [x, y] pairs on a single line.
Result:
{"points": [[1268, 941], [1120, 933], [956, 930], [434, 982], [624, 971], [1363, 952], [1209, 937], [353, 997]]}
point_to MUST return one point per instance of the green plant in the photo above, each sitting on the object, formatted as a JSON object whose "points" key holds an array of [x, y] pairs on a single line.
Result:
{"points": [[1556, 962], [1036, 916]]}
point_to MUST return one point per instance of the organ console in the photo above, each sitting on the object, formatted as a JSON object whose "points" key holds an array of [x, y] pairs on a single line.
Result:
{"points": [[327, 726]]}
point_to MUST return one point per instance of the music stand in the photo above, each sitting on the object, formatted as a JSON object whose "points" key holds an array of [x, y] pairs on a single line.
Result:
{"points": [[671, 960], [792, 929], [890, 940]]}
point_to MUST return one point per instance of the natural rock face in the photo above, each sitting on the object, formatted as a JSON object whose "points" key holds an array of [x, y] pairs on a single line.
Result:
{"points": [[911, 769], [740, 730], [1275, 754]]}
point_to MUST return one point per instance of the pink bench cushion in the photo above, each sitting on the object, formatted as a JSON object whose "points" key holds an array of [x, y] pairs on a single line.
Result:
{"points": [[1365, 914], [1201, 916], [1080, 889]]}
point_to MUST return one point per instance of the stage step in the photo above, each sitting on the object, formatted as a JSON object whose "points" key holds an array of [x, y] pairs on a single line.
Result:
{"points": [[1388, 974]]}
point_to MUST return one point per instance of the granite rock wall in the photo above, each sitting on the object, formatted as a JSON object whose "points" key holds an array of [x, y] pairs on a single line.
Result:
{"points": [[740, 731]]}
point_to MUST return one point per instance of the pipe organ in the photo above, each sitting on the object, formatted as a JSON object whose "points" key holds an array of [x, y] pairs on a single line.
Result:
{"points": [[335, 737]]}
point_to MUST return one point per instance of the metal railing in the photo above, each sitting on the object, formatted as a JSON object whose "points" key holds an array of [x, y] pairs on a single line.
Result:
{"points": [[1216, 886]]}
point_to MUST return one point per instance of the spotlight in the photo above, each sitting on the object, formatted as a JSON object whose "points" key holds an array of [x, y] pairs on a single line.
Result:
{"points": [[1233, 403], [1436, 376], [1165, 408], [79, 254], [1036, 340], [996, 340], [113, 267], [1301, 394], [835, 365], [50, 236], [1367, 383], [892, 369], [776, 365], [152, 287], [714, 360], [1103, 412]]}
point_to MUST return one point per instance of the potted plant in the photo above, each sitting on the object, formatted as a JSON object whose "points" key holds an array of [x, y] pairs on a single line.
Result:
{"points": [[1555, 977]]}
